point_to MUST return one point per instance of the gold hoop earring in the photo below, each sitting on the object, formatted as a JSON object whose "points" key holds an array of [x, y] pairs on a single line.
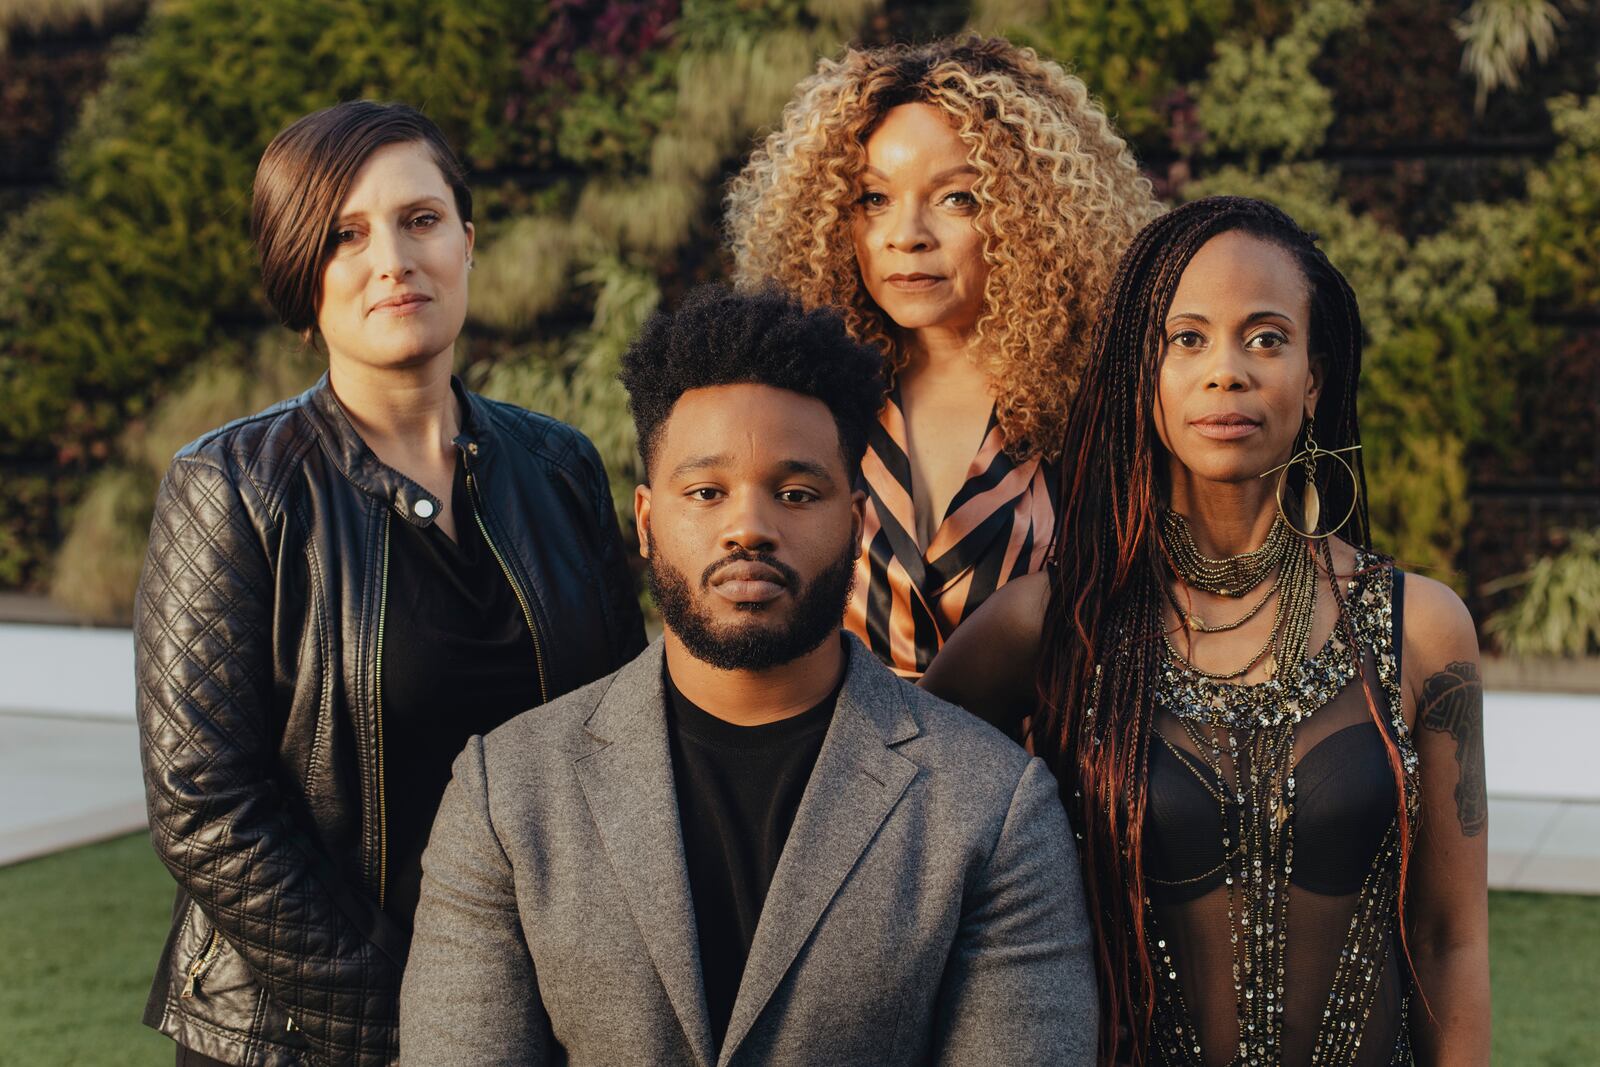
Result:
{"points": [[1311, 498]]}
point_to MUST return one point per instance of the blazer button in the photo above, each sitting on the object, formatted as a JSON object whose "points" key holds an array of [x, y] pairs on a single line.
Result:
{"points": [[423, 508]]}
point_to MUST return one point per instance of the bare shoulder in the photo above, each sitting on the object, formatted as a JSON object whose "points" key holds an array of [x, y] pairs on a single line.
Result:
{"points": [[1008, 622], [1438, 629], [1019, 604], [987, 665]]}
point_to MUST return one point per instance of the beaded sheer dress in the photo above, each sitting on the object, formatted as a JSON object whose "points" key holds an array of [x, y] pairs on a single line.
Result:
{"points": [[1272, 852]]}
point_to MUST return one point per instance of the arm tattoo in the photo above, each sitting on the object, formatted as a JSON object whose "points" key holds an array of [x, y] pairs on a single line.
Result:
{"points": [[1452, 703]]}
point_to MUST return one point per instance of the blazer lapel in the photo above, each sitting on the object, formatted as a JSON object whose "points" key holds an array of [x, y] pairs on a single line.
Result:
{"points": [[857, 781], [629, 789]]}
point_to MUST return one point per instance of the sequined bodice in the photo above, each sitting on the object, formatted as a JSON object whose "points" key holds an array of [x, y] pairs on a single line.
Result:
{"points": [[1272, 853]]}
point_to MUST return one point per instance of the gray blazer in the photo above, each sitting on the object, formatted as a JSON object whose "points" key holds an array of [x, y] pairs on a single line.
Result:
{"points": [[927, 907]]}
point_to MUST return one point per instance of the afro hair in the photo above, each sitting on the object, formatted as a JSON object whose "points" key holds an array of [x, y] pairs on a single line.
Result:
{"points": [[719, 337]]}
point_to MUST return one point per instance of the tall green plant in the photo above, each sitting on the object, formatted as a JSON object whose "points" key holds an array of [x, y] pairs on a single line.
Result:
{"points": [[1501, 37], [1557, 609]]}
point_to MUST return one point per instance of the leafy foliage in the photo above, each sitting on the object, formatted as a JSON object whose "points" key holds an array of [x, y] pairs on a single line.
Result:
{"points": [[1452, 316], [132, 271], [1260, 98], [1501, 36], [599, 132], [577, 382], [1557, 611], [1133, 55], [40, 16], [98, 564]]}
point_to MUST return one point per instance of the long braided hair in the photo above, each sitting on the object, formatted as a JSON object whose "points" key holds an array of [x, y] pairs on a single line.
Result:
{"points": [[1101, 639]]}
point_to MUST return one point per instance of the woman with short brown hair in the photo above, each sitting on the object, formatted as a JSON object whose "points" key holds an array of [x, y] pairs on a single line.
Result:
{"points": [[339, 592]]}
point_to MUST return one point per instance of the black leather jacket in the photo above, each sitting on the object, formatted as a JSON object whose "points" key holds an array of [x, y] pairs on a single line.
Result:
{"points": [[259, 640]]}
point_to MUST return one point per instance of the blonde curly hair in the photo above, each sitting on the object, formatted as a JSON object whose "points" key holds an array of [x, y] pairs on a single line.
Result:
{"points": [[1059, 199]]}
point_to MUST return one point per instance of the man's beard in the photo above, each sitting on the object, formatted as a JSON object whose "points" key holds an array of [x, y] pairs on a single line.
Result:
{"points": [[818, 610]]}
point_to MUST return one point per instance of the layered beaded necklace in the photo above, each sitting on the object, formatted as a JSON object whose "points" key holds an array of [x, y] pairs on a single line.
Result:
{"points": [[1284, 553], [1258, 722]]}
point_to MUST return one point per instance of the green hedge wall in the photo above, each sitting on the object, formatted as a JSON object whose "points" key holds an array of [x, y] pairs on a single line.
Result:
{"points": [[599, 133]]}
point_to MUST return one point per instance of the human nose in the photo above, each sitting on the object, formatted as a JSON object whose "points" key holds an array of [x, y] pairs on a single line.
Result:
{"points": [[908, 227], [1226, 369], [391, 256], [748, 524]]}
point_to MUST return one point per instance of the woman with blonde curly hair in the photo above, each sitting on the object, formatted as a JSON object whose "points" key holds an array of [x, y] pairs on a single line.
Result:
{"points": [[963, 203]]}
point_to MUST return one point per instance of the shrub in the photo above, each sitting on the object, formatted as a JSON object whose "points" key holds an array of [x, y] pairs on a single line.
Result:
{"points": [[98, 564], [43, 16], [577, 382], [1501, 37], [584, 92], [1557, 610], [1133, 55], [1260, 98]]}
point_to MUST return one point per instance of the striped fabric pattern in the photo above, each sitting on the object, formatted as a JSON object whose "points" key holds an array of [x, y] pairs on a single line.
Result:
{"points": [[907, 600]]}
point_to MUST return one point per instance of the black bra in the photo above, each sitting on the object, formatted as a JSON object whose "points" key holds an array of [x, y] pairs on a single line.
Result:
{"points": [[1345, 801]]}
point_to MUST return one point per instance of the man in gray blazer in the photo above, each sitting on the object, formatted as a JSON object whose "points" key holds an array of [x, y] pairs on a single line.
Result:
{"points": [[753, 844]]}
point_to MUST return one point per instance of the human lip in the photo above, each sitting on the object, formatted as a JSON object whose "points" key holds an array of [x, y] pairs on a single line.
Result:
{"points": [[913, 283], [401, 304], [1226, 426], [747, 583]]}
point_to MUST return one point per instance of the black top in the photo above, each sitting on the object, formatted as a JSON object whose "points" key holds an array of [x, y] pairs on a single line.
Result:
{"points": [[738, 790], [1275, 929], [458, 660]]}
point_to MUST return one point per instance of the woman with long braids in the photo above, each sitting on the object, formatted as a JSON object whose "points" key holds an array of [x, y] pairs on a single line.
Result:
{"points": [[1269, 738], [963, 203]]}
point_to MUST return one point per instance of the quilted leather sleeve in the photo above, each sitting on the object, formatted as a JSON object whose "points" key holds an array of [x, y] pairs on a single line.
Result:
{"points": [[203, 665]]}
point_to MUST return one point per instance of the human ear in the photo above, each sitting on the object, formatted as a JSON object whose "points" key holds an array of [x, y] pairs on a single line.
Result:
{"points": [[1313, 386], [641, 517]]}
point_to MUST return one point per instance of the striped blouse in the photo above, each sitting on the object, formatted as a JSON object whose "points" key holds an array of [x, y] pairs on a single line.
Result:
{"points": [[907, 600]]}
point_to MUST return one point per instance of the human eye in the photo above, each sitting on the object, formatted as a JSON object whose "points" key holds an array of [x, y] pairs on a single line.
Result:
{"points": [[797, 496], [342, 235], [424, 220], [872, 199], [962, 199], [703, 493], [1267, 339], [1187, 339]]}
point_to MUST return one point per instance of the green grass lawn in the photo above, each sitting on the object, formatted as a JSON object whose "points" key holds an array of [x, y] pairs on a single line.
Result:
{"points": [[79, 933]]}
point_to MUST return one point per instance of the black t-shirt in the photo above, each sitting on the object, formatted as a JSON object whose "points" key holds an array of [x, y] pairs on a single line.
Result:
{"points": [[738, 790], [458, 660]]}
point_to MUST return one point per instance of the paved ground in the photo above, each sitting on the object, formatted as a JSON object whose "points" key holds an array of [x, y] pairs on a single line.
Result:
{"points": [[69, 764], [65, 782]]}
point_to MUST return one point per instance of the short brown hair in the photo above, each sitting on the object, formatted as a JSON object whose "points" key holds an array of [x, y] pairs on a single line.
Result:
{"points": [[303, 179]]}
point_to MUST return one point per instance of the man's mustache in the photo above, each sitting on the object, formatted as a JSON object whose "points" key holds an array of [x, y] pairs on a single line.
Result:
{"points": [[790, 577]]}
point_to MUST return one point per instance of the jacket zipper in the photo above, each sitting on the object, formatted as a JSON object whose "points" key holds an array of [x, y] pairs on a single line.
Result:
{"points": [[202, 963], [527, 612], [383, 808]]}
